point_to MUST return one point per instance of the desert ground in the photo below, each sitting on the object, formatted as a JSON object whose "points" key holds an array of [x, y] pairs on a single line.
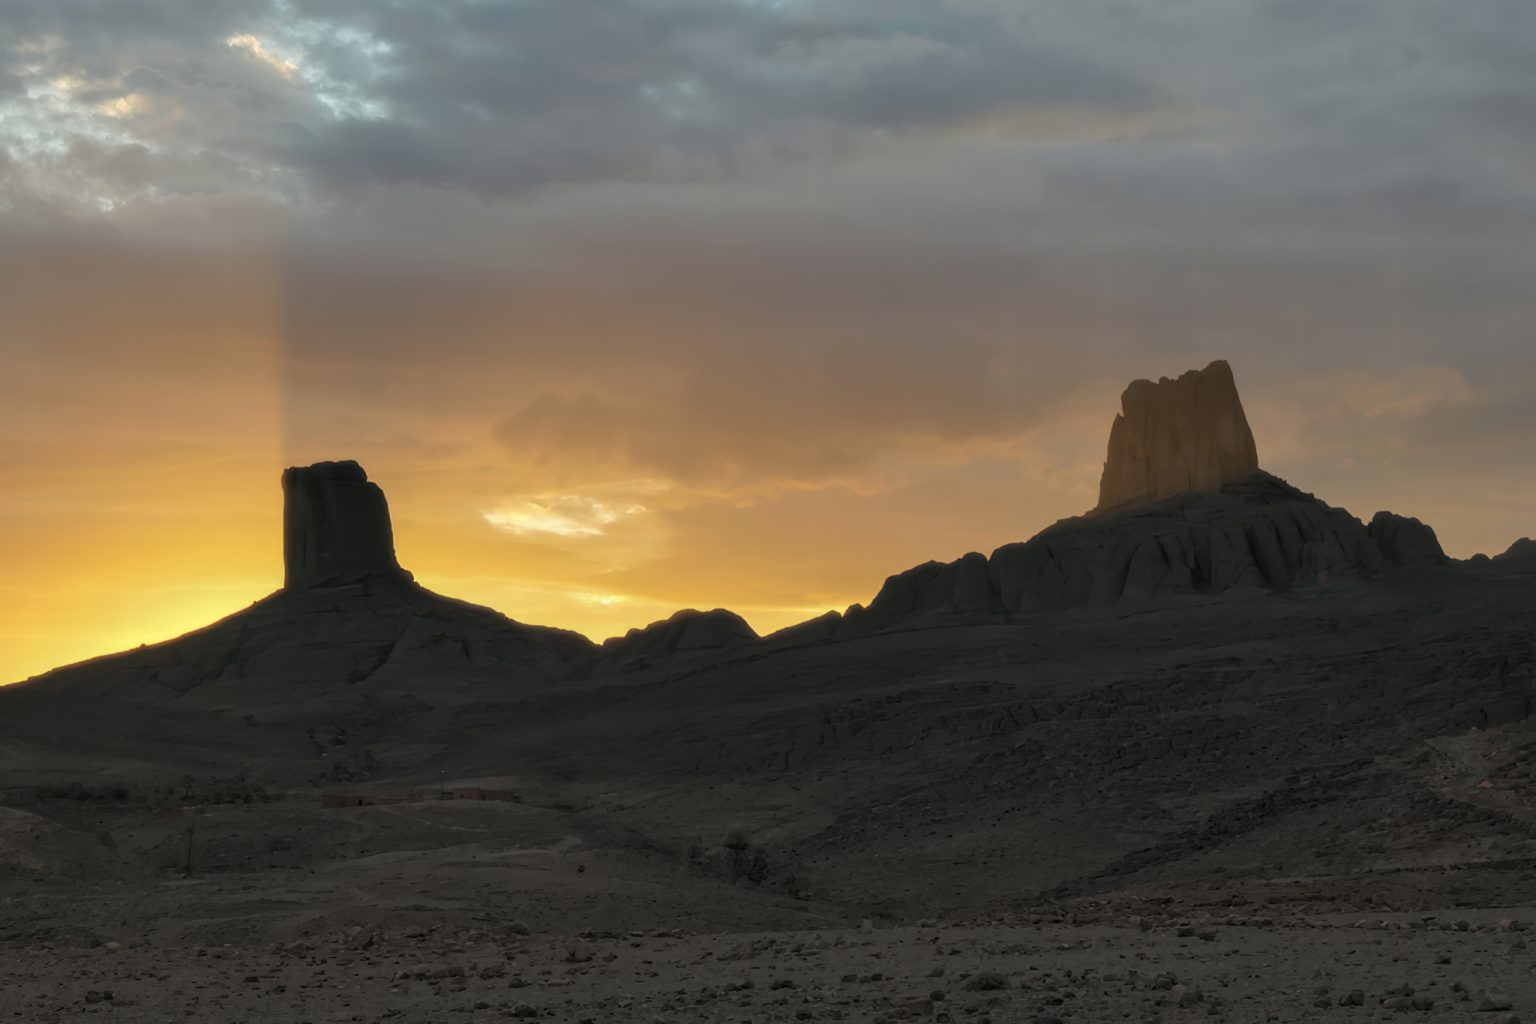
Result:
{"points": [[1140, 968], [1240, 808]]}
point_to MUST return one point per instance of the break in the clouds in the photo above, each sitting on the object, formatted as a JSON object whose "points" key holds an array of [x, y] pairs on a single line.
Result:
{"points": [[737, 302], [498, 99]]}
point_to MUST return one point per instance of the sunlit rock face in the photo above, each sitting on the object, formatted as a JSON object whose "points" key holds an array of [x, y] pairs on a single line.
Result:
{"points": [[336, 527], [1176, 437]]}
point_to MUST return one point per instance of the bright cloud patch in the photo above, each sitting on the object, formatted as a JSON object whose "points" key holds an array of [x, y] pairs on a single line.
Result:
{"points": [[123, 106], [257, 49], [603, 600], [563, 515]]}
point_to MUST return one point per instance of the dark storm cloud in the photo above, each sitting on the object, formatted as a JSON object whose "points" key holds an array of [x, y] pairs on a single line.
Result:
{"points": [[724, 241], [498, 99]]}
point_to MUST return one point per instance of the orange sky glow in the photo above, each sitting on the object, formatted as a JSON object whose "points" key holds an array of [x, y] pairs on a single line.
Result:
{"points": [[749, 310]]}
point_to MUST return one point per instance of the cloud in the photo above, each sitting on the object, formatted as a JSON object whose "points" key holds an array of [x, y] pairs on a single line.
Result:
{"points": [[743, 421], [834, 276], [560, 515], [500, 99], [284, 66]]}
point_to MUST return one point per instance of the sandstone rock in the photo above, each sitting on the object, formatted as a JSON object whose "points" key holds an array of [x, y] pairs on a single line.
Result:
{"points": [[1184, 995], [1184, 510], [1519, 558], [1174, 436], [687, 630], [1261, 534], [1406, 541], [961, 587], [336, 527], [818, 630], [350, 624], [1524, 548]]}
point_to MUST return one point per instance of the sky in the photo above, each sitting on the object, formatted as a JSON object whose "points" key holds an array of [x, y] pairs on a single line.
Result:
{"points": [[634, 305]]}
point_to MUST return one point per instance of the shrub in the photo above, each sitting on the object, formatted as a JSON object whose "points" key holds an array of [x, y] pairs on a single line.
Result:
{"points": [[109, 792]]}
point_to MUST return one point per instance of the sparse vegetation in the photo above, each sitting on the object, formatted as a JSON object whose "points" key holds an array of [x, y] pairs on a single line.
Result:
{"points": [[224, 791], [190, 790], [108, 792]]}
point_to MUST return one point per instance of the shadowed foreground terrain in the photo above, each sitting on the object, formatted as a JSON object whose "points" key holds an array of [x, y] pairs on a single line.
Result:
{"points": [[1229, 754]]}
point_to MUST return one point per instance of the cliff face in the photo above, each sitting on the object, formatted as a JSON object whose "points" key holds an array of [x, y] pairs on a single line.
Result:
{"points": [[1260, 534], [1177, 436], [1404, 540], [336, 527]]}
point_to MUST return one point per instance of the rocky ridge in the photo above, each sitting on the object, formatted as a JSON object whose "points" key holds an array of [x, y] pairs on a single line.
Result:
{"points": [[1406, 541], [687, 630], [1184, 512], [1262, 534]]}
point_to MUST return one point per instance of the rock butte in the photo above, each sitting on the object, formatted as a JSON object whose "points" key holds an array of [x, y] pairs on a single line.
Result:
{"points": [[336, 527], [1178, 436]]}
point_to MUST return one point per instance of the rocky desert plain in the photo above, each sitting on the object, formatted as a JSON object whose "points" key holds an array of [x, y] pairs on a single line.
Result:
{"points": [[1214, 750]]}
